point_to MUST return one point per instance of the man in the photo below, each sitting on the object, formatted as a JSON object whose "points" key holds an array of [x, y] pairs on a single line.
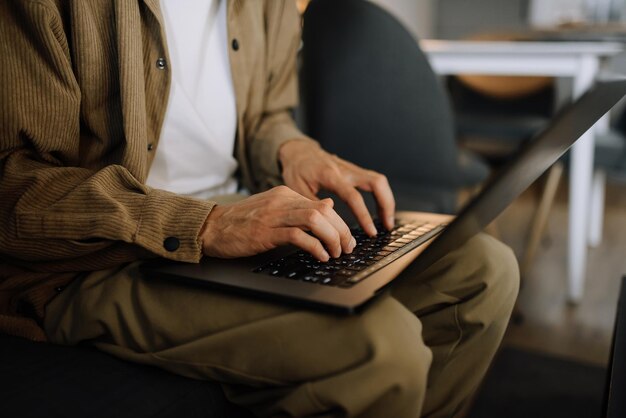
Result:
{"points": [[100, 98]]}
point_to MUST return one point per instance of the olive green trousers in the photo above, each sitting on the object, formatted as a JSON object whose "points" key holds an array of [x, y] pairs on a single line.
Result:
{"points": [[420, 351]]}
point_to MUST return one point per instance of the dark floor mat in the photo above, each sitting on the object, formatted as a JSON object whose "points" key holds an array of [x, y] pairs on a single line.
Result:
{"points": [[523, 384]]}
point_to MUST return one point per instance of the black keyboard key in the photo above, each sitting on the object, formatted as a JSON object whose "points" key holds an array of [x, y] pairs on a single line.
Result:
{"points": [[310, 278], [326, 280], [425, 228], [353, 267], [295, 272], [344, 271], [403, 240]]}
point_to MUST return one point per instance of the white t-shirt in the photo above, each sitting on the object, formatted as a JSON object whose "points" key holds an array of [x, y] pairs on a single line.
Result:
{"points": [[195, 153]]}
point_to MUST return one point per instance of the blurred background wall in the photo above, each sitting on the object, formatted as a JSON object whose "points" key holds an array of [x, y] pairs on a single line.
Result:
{"points": [[417, 15], [454, 19]]}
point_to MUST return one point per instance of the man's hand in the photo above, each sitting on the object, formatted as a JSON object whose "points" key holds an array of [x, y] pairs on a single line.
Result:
{"points": [[277, 217], [307, 169]]}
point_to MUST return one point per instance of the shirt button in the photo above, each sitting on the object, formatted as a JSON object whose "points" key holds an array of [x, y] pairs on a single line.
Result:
{"points": [[235, 44], [150, 146], [160, 63], [171, 244]]}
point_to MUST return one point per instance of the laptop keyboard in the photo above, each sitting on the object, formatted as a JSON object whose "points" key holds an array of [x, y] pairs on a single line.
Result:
{"points": [[369, 255]]}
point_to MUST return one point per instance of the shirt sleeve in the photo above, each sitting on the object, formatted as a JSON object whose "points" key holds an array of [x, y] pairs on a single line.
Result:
{"points": [[281, 94], [54, 211]]}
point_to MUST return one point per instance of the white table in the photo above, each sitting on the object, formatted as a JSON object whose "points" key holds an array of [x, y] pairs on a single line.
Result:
{"points": [[579, 61]]}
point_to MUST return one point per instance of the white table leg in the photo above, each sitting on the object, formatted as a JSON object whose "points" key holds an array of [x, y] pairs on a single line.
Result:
{"points": [[598, 184], [581, 171], [596, 208]]}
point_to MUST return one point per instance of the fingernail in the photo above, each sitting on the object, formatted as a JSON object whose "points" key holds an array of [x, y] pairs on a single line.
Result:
{"points": [[325, 256], [351, 246], [390, 221]]}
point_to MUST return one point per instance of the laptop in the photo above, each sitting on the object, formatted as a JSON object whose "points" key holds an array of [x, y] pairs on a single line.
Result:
{"points": [[349, 283]]}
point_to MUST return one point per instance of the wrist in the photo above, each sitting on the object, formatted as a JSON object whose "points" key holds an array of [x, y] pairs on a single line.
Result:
{"points": [[208, 226], [294, 147]]}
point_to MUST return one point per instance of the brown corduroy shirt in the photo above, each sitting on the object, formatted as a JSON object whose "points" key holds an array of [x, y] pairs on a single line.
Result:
{"points": [[83, 94]]}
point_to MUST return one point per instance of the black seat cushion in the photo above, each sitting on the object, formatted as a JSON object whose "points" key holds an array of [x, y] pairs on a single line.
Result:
{"points": [[45, 380]]}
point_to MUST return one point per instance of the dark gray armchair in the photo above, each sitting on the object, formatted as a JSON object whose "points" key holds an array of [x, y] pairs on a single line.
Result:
{"points": [[369, 95], [45, 380]]}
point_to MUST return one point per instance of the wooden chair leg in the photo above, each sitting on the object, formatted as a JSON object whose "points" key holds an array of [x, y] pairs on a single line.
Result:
{"points": [[541, 216]]}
